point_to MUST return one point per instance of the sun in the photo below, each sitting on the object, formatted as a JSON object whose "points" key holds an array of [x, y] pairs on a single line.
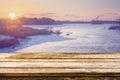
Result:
{"points": [[12, 15]]}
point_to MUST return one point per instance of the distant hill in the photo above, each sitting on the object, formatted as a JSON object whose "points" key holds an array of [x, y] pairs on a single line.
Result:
{"points": [[49, 21], [37, 21]]}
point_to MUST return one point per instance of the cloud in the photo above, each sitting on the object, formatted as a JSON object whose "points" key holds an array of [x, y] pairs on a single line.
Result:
{"points": [[99, 16], [111, 13], [71, 15], [31, 14], [47, 14], [108, 16], [57, 16], [41, 14]]}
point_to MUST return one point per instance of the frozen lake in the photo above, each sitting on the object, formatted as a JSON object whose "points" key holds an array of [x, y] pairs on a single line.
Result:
{"points": [[74, 38]]}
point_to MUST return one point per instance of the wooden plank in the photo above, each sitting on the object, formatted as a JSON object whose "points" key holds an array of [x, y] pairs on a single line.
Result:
{"points": [[60, 64], [59, 55]]}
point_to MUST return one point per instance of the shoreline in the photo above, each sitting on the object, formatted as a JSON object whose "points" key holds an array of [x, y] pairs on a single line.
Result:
{"points": [[21, 33]]}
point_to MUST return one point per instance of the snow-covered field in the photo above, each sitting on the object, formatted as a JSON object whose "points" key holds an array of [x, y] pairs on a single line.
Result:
{"points": [[74, 38], [3, 37]]}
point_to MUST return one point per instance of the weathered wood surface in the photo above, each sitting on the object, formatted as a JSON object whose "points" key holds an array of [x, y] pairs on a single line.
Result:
{"points": [[71, 66]]}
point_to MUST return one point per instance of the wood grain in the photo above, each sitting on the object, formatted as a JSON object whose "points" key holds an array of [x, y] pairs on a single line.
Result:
{"points": [[60, 66]]}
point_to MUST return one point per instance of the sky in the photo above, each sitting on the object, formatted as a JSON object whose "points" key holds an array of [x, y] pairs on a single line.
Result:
{"points": [[62, 9]]}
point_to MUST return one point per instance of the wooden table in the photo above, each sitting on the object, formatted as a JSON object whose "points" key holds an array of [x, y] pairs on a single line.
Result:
{"points": [[59, 66]]}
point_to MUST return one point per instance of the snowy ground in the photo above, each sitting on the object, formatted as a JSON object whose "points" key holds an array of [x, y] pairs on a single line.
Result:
{"points": [[74, 38], [3, 37]]}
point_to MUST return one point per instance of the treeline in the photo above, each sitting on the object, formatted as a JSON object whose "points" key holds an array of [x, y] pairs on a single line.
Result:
{"points": [[49, 21], [37, 21], [32, 21], [89, 22]]}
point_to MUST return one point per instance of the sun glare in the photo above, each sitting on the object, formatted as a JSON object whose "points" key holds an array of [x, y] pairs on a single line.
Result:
{"points": [[12, 15]]}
